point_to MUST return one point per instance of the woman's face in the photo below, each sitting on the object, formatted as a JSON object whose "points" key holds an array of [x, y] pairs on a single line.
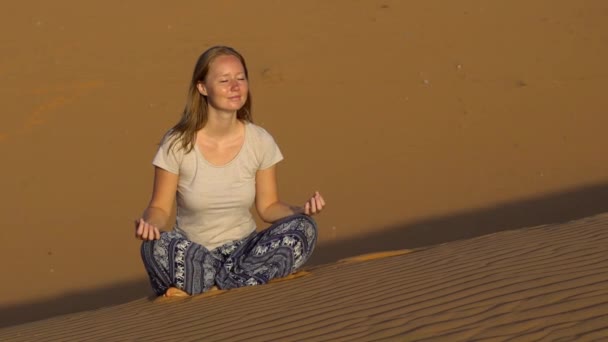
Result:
{"points": [[226, 86]]}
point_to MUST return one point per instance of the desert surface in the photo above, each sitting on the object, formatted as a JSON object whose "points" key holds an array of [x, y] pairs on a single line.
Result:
{"points": [[544, 283], [428, 126]]}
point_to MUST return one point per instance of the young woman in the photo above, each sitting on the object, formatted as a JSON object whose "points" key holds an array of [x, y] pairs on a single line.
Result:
{"points": [[215, 163]]}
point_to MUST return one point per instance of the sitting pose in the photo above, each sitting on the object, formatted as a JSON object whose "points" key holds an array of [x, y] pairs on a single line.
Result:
{"points": [[214, 164]]}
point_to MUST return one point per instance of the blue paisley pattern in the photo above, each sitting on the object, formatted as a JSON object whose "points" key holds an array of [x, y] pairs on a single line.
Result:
{"points": [[281, 249]]}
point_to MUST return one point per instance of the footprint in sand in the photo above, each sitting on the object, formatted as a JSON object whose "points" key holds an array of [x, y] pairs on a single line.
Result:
{"points": [[374, 256]]}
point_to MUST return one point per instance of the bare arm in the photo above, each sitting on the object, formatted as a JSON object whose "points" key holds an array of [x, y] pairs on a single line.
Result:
{"points": [[267, 202], [156, 215]]}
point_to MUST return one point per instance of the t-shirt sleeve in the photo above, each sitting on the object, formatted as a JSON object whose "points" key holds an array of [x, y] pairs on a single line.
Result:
{"points": [[168, 158], [270, 152]]}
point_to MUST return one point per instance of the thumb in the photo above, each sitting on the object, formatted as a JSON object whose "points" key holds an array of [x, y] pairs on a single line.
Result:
{"points": [[139, 226]]}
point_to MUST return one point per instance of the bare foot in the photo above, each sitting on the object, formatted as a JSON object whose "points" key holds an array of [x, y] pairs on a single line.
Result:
{"points": [[175, 292], [289, 277]]}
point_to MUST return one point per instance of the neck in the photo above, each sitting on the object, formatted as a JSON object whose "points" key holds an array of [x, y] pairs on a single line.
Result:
{"points": [[221, 124]]}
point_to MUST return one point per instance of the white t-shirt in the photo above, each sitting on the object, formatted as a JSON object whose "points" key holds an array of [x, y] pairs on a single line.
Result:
{"points": [[213, 202]]}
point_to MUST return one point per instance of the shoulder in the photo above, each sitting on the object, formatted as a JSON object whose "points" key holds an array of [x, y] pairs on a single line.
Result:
{"points": [[172, 142], [258, 131], [266, 150], [171, 148], [259, 134]]}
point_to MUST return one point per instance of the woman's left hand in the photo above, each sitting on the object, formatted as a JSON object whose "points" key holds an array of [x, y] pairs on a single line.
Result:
{"points": [[314, 205]]}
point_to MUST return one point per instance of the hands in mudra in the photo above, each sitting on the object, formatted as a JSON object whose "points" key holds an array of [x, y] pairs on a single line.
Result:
{"points": [[314, 205], [146, 231]]}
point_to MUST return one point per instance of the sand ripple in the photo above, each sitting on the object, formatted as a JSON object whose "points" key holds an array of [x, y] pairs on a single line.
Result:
{"points": [[542, 283]]}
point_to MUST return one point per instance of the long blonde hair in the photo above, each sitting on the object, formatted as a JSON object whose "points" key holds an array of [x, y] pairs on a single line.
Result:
{"points": [[194, 116]]}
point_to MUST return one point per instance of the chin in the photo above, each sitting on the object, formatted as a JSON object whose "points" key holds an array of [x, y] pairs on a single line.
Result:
{"points": [[235, 106]]}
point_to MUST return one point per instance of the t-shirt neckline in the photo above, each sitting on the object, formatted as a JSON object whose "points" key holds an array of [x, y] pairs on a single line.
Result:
{"points": [[202, 156]]}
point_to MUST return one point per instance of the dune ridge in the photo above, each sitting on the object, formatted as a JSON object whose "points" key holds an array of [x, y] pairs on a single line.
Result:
{"points": [[540, 283]]}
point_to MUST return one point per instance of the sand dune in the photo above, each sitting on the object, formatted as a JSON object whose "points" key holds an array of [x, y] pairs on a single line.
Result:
{"points": [[424, 123], [542, 283], [406, 110]]}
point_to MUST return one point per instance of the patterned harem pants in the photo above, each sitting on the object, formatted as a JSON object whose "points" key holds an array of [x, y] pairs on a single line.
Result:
{"points": [[281, 249]]}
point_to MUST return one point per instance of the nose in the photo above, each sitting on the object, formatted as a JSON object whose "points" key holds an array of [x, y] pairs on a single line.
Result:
{"points": [[234, 85]]}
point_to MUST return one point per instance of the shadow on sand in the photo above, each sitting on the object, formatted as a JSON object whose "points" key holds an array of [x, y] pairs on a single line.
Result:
{"points": [[552, 208]]}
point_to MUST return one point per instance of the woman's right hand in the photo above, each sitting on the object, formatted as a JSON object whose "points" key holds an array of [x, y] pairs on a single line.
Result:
{"points": [[146, 231]]}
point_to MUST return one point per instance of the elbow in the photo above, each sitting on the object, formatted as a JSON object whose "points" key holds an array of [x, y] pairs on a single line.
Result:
{"points": [[264, 216], [265, 212]]}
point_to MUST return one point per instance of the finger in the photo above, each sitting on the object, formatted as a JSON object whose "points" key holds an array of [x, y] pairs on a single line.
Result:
{"points": [[322, 200], [140, 228], [151, 233], [318, 196], [307, 208], [157, 231], [319, 204], [146, 232], [313, 206], [136, 230]]}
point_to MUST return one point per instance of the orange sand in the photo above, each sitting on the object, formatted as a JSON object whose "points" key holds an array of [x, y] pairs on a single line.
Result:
{"points": [[420, 122], [543, 283]]}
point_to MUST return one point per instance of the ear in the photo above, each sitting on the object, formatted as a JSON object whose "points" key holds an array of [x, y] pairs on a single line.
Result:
{"points": [[201, 88]]}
